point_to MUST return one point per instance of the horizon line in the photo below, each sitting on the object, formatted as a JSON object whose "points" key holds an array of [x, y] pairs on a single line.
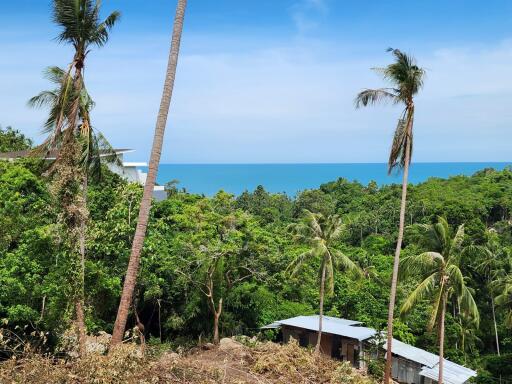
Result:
{"points": [[341, 163]]}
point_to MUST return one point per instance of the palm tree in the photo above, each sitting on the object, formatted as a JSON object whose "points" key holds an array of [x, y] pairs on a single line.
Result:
{"points": [[503, 287], [82, 28], [145, 205], [491, 258], [322, 234], [94, 150], [441, 278], [406, 79]]}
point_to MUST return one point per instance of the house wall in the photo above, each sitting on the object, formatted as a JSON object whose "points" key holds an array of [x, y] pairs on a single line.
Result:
{"points": [[406, 371], [345, 349]]}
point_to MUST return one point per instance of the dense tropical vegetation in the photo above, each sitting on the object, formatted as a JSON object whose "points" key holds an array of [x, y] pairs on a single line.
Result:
{"points": [[194, 267], [225, 260]]}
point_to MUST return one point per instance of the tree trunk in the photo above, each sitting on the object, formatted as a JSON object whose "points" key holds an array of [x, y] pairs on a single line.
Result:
{"points": [[79, 304], [215, 328], [441, 340], [216, 316], [321, 313], [145, 205], [396, 262], [495, 326]]}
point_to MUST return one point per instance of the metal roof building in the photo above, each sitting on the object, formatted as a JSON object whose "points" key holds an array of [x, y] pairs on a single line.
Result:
{"points": [[410, 364], [331, 325]]}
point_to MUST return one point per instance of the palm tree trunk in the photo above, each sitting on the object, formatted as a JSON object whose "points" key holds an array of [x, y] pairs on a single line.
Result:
{"points": [[321, 313], [441, 339], [145, 205], [495, 326], [396, 262]]}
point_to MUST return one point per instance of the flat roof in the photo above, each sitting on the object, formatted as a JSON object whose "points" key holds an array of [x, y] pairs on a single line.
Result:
{"points": [[51, 155]]}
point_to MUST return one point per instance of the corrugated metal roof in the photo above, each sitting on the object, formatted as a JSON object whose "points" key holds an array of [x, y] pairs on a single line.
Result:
{"points": [[273, 325], [332, 325], [412, 353], [452, 373]]}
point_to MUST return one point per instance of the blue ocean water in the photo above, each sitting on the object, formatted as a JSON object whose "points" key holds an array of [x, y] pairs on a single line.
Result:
{"points": [[208, 179]]}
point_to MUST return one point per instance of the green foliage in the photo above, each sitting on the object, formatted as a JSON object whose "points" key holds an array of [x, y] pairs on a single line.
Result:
{"points": [[251, 234], [13, 140]]}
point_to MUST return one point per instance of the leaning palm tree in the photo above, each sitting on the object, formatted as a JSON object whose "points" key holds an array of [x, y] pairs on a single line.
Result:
{"points": [[145, 205], [94, 148], [322, 234], [82, 28], [406, 79], [441, 278]]}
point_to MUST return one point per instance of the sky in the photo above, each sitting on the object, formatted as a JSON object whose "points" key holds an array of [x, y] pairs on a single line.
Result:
{"points": [[273, 81]]}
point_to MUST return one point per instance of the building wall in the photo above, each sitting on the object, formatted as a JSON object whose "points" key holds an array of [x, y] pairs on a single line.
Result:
{"points": [[351, 350], [406, 371]]}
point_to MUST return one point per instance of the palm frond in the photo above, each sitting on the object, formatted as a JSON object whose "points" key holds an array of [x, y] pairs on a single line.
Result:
{"points": [[419, 265], [295, 266], [468, 305], [329, 273], [423, 291], [373, 96], [401, 139], [346, 264], [437, 304]]}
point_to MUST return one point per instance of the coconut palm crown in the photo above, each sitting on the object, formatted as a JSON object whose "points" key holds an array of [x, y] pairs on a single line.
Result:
{"points": [[81, 25], [406, 79], [441, 278], [440, 271]]}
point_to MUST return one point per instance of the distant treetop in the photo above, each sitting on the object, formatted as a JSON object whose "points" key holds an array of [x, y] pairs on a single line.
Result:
{"points": [[13, 140]]}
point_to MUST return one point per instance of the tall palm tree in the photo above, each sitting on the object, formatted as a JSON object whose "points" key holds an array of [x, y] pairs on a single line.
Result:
{"points": [[406, 79], [94, 148], [441, 278], [491, 257], [145, 205], [322, 234], [82, 28], [503, 287]]}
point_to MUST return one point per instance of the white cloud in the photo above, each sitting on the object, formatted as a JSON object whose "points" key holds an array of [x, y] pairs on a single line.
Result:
{"points": [[306, 14], [247, 100]]}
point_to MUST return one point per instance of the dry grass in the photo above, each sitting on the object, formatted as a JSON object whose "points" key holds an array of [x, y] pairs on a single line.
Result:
{"points": [[266, 363]]}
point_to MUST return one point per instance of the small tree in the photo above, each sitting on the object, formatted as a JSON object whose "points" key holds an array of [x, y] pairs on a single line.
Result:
{"points": [[441, 278], [322, 234]]}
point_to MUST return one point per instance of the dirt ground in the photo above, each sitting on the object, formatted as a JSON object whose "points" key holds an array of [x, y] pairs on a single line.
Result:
{"points": [[228, 363]]}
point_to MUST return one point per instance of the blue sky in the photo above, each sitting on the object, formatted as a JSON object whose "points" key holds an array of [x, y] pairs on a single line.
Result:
{"points": [[274, 80]]}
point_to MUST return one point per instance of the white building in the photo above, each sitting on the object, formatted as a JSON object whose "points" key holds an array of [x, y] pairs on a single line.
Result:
{"points": [[128, 170]]}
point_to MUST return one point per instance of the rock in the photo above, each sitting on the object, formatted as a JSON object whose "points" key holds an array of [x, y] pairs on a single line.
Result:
{"points": [[227, 344], [98, 344], [208, 346], [168, 358]]}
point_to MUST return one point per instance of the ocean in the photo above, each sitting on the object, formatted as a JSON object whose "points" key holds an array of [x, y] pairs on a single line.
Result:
{"points": [[208, 179]]}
